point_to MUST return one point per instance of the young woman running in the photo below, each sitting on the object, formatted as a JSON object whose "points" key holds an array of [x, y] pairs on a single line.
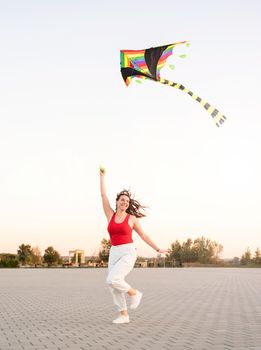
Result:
{"points": [[123, 253]]}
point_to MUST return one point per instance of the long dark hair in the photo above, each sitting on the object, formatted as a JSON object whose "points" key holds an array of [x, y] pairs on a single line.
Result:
{"points": [[134, 207]]}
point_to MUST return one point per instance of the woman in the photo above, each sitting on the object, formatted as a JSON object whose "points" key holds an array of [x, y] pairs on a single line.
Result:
{"points": [[123, 253]]}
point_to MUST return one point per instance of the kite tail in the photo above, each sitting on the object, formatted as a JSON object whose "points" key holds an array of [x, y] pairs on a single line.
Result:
{"points": [[218, 117]]}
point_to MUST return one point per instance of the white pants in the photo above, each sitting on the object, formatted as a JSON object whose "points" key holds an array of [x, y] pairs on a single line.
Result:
{"points": [[121, 261]]}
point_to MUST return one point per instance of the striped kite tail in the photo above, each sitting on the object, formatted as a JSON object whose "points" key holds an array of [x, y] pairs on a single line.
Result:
{"points": [[218, 117]]}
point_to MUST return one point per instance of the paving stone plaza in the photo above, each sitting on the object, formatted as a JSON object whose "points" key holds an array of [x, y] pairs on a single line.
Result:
{"points": [[182, 308]]}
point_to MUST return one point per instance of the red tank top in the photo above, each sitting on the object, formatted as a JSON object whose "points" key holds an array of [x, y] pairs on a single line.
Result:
{"points": [[120, 233]]}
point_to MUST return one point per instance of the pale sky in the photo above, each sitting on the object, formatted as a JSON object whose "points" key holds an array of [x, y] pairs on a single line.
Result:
{"points": [[64, 109]]}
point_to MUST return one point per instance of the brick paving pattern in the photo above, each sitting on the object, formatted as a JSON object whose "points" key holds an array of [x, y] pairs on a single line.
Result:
{"points": [[186, 308]]}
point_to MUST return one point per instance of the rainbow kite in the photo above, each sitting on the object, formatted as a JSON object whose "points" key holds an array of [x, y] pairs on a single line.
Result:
{"points": [[147, 63]]}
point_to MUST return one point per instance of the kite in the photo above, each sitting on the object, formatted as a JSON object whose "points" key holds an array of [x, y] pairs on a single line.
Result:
{"points": [[147, 63]]}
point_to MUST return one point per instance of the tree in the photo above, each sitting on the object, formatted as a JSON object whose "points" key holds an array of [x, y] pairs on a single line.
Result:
{"points": [[246, 257], [51, 256], [105, 249], [8, 260], [257, 257], [203, 249], [217, 250], [207, 251], [175, 251], [24, 254], [36, 257], [187, 251]]}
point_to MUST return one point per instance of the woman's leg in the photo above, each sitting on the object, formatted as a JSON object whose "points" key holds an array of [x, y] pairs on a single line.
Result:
{"points": [[119, 300], [117, 272], [117, 296]]}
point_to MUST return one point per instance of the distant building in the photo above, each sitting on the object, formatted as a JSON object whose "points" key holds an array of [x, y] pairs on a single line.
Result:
{"points": [[78, 255]]}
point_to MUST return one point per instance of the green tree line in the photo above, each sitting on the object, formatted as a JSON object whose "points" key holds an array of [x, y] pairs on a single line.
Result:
{"points": [[248, 259], [200, 250], [27, 255]]}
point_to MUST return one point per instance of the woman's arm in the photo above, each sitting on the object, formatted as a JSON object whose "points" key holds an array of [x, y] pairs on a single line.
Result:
{"points": [[105, 202], [137, 227]]}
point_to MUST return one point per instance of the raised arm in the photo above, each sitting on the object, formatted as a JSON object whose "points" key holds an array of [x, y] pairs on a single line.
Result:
{"points": [[108, 211], [137, 227]]}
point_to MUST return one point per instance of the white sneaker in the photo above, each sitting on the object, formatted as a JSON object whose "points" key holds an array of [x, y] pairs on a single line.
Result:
{"points": [[135, 300], [121, 319]]}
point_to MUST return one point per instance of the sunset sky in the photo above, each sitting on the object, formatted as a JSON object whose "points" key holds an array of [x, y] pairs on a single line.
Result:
{"points": [[64, 110]]}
